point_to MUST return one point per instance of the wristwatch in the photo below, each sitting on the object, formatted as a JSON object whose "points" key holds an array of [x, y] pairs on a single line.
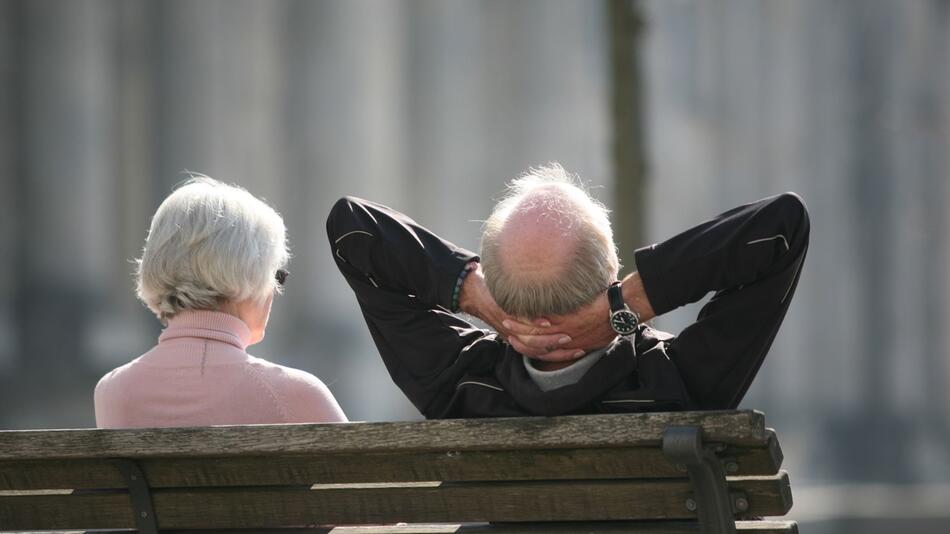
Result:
{"points": [[623, 320]]}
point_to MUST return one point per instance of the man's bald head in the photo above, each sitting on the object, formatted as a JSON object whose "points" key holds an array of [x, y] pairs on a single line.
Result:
{"points": [[547, 248], [537, 239]]}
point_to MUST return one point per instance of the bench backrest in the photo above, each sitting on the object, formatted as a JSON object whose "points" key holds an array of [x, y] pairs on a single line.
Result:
{"points": [[557, 469]]}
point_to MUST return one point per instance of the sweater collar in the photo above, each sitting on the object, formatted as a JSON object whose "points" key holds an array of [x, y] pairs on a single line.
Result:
{"points": [[206, 324], [548, 380], [616, 364]]}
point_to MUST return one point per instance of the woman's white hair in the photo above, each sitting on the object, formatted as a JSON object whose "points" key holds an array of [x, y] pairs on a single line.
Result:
{"points": [[210, 243], [591, 268]]}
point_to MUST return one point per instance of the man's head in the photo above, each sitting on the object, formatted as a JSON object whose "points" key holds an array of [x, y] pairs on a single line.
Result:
{"points": [[547, 248]]}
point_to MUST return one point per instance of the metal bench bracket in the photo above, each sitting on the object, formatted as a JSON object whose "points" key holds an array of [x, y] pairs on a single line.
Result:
{"points": [[141, 495], [711, 500]]}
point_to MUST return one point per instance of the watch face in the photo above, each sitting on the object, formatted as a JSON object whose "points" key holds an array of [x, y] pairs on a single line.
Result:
{"points": [[624, 322]]}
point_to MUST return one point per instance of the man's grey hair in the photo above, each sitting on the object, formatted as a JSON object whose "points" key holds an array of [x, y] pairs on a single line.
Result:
{"points": [[209, 243], [588, 272]]}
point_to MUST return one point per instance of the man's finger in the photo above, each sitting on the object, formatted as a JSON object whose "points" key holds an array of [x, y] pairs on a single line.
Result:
{"points": [[519, 328], [558, 355], [527, 350], [515, 327], [543, 341], [530, 329]]}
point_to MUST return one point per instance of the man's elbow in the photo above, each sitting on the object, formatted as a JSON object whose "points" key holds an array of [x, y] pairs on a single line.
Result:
{"points": [[340, 213], [794, 212], [793, 203]]}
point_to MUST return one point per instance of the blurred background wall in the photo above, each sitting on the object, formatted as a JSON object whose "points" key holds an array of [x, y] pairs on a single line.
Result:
{"points": [[672, 110]]}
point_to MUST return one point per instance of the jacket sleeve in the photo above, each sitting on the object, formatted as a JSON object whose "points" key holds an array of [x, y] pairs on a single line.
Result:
{"points": [[750, 257], [404, 277]]}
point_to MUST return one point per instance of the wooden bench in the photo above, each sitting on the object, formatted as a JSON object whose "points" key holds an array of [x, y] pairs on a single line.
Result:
{"points": [[663, 472]]}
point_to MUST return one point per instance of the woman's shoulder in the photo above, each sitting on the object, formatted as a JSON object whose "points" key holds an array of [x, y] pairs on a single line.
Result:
{"points": [[129, 374], [118, 374], [282, 374], [305, 394]]}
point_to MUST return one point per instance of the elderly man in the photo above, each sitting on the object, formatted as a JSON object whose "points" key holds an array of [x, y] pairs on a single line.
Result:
{"points": [[571, 338]]}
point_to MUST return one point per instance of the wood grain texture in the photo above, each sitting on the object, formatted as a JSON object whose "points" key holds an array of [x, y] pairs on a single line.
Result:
{"points": [[593, 527], [580, 527], [774, 449], [65, 510], [589, 431], [772, 491], [263, 507], [578, 469], [609, 463]]}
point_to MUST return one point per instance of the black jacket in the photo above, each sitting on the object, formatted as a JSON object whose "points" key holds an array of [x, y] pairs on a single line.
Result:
{"points": [[403, 276]]}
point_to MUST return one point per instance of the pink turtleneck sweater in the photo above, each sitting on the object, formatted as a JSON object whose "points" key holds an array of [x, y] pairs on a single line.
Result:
{"points": [[200, 374]]}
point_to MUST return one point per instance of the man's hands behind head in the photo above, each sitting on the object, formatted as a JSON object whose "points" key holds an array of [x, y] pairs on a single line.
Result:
{"points": [[586, 329], [476, 300], [557, 338]]}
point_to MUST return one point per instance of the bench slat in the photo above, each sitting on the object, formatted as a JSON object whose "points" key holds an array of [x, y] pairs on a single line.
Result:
{"points": [[616, 527], [456, 502], [372, 467], [613, 430]]}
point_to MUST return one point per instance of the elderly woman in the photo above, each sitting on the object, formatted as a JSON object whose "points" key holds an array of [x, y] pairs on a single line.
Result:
{"points": [[213, 259]]}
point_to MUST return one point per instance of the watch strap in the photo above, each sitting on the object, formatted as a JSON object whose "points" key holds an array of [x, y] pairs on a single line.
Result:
{"points": [[615, 297]]}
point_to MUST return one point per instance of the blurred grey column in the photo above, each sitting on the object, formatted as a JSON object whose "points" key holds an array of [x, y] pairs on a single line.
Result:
{"points": [[898, 172], [65, 186], [11, 232], [184, 73], [447, 118], [345, 114], [121, 329], [135, 148], [878, 433], [222, 76], [497, 87], [222, 106], [626, 24], [920, 128], [845, 102]]}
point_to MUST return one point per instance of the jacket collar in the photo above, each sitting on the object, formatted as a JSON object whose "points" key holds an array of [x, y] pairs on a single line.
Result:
{"points": [[617, 364]]}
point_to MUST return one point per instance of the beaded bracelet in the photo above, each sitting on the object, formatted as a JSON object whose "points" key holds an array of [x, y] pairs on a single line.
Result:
{"points": [[456, 293]]}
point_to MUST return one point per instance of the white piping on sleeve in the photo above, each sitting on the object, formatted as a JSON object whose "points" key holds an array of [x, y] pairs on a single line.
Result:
{"points": [[472, 382], [351, 233], [798, 268], [337, 251], [764, 239]]}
